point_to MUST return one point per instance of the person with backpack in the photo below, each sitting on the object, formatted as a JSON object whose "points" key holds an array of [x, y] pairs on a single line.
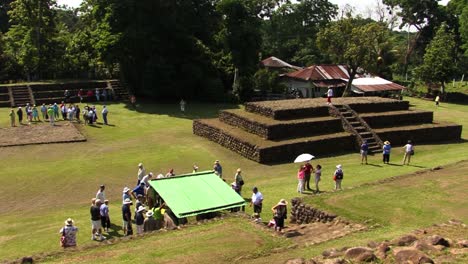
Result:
{"points": [[338, 177]]}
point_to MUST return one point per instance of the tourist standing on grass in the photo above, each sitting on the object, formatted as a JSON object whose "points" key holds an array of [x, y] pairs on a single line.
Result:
{"points": [[101, 194], [318, 175], [386, 152], [44, 112], [28, 111], [140, 219], [64, 110], [12, 118], [300, 179], [127, 217], [126, 194], [364, 151], [68, 233], [437, 99], [338, 177], [280, 212], [409, 151], [239, 180], [105, 219], [20, 115], [329, 95], [104, 112], [77, 113], [97, 94], [51, 114], [56, 111], [307, 172], [95, 211], [257, 200], [218, 169], [141, 173], [35, 114]]}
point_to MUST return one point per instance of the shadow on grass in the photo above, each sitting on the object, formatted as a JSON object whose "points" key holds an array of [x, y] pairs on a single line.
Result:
{"points": [[114, 231], [374, 165], [193, 110]]}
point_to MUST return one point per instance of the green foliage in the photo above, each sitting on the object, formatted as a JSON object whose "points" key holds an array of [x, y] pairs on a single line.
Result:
{"points": [[439, 64], [267, 81], [355, 44]]}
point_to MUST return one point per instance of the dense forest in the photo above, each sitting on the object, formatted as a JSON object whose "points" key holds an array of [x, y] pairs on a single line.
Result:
{"points": [[210, 49]]}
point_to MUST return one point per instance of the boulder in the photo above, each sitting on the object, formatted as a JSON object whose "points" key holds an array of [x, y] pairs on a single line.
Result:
{"points": [[296, 261], [423, 246], [404, 240], [462, 243], [292, 233], [381, 250], [332, 253], [360, 254], [411, 256], [459, 251], [335, 261], [372, 244], [438, 240]]}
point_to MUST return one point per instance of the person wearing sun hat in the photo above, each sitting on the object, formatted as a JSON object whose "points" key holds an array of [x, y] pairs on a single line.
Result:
{"points": [[239, 180], [218, 169], [68, 233], [141, 173], [140, 219], [127, 217], [386, 152], [150, 224], [126, 194], [338, 177], [280, 212]]}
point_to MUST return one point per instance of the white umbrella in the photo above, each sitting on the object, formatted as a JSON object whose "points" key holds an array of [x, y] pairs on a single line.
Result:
{"points": [[303, 157]]}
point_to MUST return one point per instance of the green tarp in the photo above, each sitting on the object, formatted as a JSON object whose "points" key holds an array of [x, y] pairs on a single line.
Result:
{"points": [[196, 193]]}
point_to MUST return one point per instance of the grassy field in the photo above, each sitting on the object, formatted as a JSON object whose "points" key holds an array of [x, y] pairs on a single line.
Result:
{"points": [[43, 185]]}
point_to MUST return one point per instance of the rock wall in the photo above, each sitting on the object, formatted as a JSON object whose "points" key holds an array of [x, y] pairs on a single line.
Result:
{"points": [[287, 114], [301, 128], [303, 214], [379, 107], [400, 118], [444, 132]]}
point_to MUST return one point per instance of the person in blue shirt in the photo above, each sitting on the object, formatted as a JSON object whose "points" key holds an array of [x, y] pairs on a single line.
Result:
{"points": [[364, 150], [386, 152], [140, 189]]}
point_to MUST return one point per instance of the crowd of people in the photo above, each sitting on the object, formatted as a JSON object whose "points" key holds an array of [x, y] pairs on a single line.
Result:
{"points": [[53, 112]]}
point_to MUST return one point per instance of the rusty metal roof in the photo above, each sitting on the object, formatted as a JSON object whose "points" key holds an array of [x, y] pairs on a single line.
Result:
{"points": [[273, 62], [320, 72], [375, 84], [329, 83]]}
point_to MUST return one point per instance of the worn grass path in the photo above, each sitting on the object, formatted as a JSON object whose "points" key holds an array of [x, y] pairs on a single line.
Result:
{"points": [[41, 186]]}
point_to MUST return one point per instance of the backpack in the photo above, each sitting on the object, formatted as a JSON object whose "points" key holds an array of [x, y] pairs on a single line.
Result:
{"points": [[339, 174]]}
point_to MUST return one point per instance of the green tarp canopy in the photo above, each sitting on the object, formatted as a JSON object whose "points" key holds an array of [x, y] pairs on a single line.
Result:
{"points": [[196, 193]]}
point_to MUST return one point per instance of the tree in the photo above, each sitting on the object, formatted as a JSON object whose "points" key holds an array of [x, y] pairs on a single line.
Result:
{"points": [[241, 37], [4, 19], [354, 43], [439, 64], [423, 15]]}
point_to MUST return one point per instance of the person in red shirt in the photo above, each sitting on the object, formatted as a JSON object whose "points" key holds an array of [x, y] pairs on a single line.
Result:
{"points": [[308, 169]]}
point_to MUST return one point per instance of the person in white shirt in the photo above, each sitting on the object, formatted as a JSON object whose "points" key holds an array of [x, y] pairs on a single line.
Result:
{"points": [[257, 200], [147, 178], [104, 112], [101, 194], [329, 95], [409, 151], [141, 173]]}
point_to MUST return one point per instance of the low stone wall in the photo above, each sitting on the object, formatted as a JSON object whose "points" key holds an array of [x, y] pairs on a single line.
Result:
{"points": [[424, 134], [301, 128], [287, 114], [400, 118], [235, 144], [379, 107], [303, 214]]}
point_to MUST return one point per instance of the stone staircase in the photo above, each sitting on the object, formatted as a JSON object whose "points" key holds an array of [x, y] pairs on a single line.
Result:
{"points": [[22, 95], [120, 92], [354, 124]]}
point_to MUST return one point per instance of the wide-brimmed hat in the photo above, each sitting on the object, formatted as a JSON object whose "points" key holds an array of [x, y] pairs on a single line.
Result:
{"points": [[141, 208], [338, 166], [239, 170], [150, 174], [140, 164], [282, 202], [126, 189], [69, 221], [98, 201], [149, 214], [387, 142], [127, 201]]}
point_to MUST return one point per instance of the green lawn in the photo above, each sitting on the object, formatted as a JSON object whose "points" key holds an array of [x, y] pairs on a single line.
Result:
{"points": [[43, 185]]}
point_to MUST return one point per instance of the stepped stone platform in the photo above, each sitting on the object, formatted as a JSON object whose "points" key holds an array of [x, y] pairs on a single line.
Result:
{"points": [[278, 131]]}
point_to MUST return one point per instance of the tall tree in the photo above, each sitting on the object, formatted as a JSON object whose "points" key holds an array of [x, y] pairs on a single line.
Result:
{"points": [[439, 64], [4, 19], [354, 43], [30, 37], [242, 38], [423, 15]]}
